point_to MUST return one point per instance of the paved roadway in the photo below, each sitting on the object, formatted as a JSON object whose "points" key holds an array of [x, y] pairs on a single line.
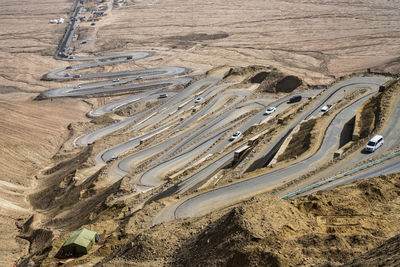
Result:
{"points": [[184, 145], [387, 167], [226, 195], [186, 142], [333, 93], [390, 132], [113, 87]]}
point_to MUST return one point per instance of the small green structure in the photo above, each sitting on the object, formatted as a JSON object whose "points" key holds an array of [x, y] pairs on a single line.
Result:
{"points": [[79, 243]]}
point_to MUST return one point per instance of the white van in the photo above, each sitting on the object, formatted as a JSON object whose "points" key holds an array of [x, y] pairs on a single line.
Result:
{"points": [[374, 143]]}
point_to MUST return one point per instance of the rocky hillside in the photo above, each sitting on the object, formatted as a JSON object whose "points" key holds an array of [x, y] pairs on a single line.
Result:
{"points": [[327, 228]]}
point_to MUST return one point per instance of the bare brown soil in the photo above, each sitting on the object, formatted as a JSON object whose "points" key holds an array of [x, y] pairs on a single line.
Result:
{"points": [[386, 254], [300, 142], [195, 34], [368, 116], [332, 227], [276, 82], [309, 39]]}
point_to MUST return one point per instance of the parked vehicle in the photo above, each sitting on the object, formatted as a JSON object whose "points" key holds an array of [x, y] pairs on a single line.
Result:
{"points": [[235, 135], [374, 143], [295, 98], [163, 96], [270, 110]]}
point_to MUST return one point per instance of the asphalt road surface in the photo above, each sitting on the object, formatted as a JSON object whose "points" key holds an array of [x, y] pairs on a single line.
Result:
{"points": [[226, 195]]}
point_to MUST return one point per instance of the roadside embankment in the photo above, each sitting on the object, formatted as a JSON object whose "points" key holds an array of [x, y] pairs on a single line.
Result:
{"points": [[332, 227]]}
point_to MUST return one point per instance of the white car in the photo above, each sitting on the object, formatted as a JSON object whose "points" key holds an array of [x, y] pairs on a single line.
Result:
{"points": [[270, 110], [198, 100], [77, 87], [374, 143], [139, 78], [235, 135], [115, 80], [326, 108]]}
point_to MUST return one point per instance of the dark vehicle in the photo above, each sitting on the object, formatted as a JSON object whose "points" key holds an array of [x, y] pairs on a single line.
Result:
{"points": [[77, 76], [93, 23], [295, 98], [163, 96], [112, 159], [129, 57], [69, 67]]}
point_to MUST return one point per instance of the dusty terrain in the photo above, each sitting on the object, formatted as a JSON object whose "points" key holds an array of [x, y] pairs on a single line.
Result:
{"points": [[326, 228], [312, 39], [316, 41]]}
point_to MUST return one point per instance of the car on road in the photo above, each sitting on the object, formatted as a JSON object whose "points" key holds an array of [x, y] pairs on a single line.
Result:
{"points": [[66, 75], [77, 87], [270, 110], [198, 100], [373, 144], [235, 135], [77, 76], [139, 78], [115, 80], [129, 57], [71, 57], [69, 67], [112, 159], [93, 23], [163, 96], [295, 98], [326, 108]]}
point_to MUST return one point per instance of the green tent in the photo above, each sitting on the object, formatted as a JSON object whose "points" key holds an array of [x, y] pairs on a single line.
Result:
{"points": [[79, 243]]}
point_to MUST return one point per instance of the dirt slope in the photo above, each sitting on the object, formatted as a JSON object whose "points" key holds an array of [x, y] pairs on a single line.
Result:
{"points": [[309, 39], [196, 34], [387, 254], [331, 227], [30, 133]]}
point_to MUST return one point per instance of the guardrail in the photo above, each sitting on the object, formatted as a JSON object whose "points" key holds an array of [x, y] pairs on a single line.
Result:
{"points": [[339, 176]]}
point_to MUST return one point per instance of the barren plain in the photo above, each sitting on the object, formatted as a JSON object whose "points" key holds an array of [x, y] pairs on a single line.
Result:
{"points": [[317, 41]]}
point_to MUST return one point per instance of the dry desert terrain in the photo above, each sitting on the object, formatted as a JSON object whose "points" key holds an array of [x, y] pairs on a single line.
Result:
{"points": [[317, 41]]}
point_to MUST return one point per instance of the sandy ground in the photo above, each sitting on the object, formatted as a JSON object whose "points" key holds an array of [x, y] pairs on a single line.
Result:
{"points": [[323, 229], [31, 132], [312, 39], [315, 40]]}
